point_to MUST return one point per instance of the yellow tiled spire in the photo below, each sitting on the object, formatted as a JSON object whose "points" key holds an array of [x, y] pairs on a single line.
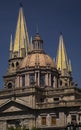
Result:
{"points": [[21, 37], [11, 46], [62, 59]]}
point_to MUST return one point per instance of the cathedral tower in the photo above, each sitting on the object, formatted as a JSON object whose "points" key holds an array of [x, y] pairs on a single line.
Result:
{"points": [[18, 48], [21, 43], [63, 64], [38, 92]]}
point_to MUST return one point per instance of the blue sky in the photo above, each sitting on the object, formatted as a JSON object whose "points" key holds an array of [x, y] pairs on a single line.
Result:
{"points": [[51, 17]]}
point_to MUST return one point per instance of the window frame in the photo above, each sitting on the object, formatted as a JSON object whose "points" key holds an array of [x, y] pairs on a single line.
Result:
{"points": [[43, 120], [53, 120]]}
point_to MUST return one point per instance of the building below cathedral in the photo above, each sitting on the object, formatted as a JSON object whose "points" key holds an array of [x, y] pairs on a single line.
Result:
{"points": [[38, 91]]}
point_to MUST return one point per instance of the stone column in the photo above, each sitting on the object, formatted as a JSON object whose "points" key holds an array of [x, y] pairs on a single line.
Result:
{"points": [[27, 79], [77, 118], [3, 125], [38, 79], [49, 79], [17, 82], [48, 120], [55, 82], [35, 78], [46, 79], [21, 81], [62, 119], [69, 119]]}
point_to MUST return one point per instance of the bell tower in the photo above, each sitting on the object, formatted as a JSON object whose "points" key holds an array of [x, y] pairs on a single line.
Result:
{"points": [[18, 48], [63, 64]]}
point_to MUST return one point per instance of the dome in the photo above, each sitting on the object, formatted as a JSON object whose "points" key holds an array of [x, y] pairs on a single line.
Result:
{"points": [[37, 59]]}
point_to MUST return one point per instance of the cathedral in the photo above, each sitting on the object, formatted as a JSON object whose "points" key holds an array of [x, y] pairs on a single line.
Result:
{"points": [[38, 91]]}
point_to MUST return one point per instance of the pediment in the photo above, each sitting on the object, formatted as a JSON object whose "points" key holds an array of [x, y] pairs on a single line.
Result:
{"points": [[13, 106], [12, 109]]}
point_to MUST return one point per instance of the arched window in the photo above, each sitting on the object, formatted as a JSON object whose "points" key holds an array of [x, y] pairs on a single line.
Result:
{"points": [[66, 84], [60, 82], [43, 120], [32, 78], [17, 63], [53, 120], [9, 85], [23, 81], [13, 65], [42, 80]]}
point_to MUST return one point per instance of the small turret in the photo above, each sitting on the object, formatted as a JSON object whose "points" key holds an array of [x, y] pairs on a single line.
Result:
{"points": [[62, 59], [11, 47], [18, 49], [63, 64], [70, 67], [37, 43], [31, 45]]}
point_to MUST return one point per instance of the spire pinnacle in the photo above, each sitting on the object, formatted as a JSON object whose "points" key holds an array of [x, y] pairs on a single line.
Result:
{"points": [[21, 36], [62, 59], [70, 67], [11, 46], [31, 46]]}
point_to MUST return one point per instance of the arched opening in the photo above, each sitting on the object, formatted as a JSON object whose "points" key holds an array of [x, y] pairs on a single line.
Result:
{"points": [[60, 82], [17, 63], [13, 65], [9, 85]]}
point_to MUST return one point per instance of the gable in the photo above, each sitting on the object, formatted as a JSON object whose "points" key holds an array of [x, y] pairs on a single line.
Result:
{"points": [[12, 109], [13, 106]]}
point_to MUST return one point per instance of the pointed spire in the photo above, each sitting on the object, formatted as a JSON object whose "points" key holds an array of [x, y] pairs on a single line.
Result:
{"points": [[31, 46], [70, 66], [11, 47], [62, 59], [21, 37], [11, 44]]}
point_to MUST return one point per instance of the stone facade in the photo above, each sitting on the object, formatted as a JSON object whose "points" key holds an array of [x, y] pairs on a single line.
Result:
{"points": [[37, 93]]}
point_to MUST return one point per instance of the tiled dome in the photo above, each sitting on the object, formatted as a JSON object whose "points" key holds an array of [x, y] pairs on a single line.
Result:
{"points": [[37, 59]]}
